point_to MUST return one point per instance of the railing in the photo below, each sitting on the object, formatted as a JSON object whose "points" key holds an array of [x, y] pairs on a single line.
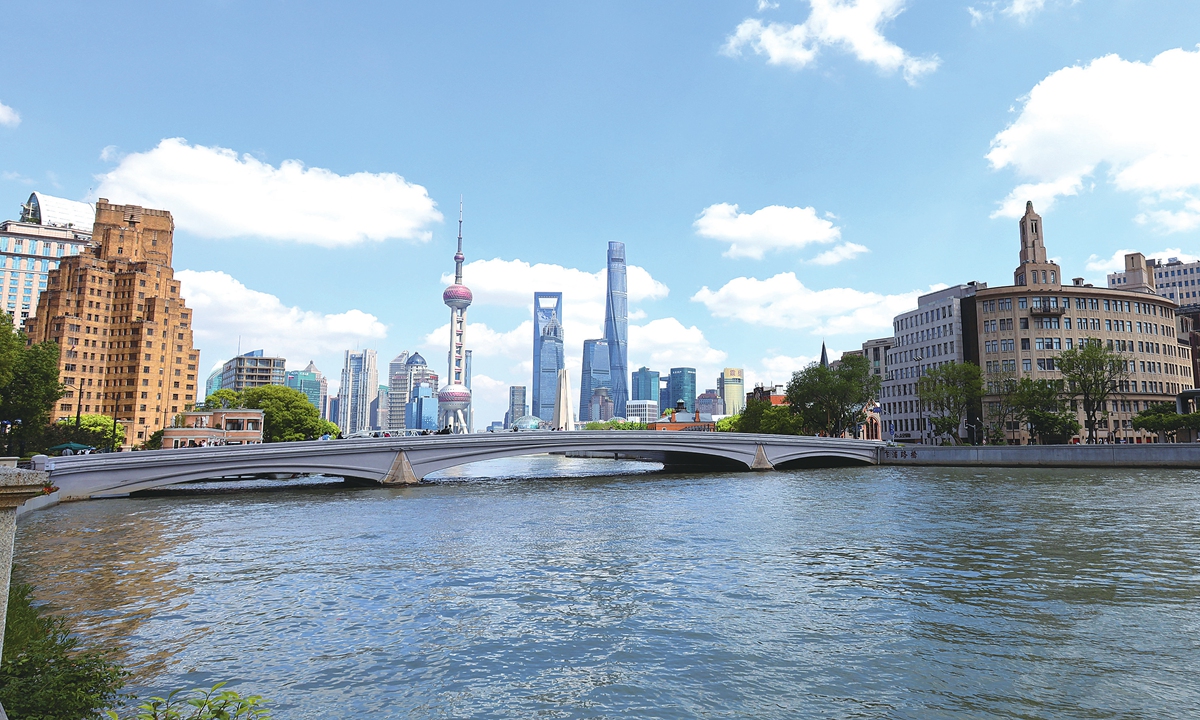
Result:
{"points": [[1043, 310]]}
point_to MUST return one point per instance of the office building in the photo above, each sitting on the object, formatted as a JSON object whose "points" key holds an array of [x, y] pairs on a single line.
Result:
{"points": [[643, 411], [550, 361], [379, 409], [1140, 274], [517, 408], [876, 353], [360, 384], [595, 375], [600, 406], [616, 326], [397, 396], [681, 385], [49, 230], [731, 387], [645, 384], [125, 332], [334, 410], [547, 309], [709, 402], [1173, 279], [312, 383], [252, 369], [211, 385], [421, 412]]}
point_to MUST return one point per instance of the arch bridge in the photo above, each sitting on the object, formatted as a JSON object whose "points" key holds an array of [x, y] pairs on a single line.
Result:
{"points": [[406, 460]]}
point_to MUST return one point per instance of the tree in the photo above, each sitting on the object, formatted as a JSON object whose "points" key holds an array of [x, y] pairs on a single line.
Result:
{"points": [[223, 398], [31, 391], [154, 442], [1092, 373], [1003, 411], [100, 427], [949, 392], [287, 413], [1040, 403], [831, 400]]}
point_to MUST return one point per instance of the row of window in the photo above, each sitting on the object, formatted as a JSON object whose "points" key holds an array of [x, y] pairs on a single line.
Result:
{"points": [[38, 247], [1081, 303]]}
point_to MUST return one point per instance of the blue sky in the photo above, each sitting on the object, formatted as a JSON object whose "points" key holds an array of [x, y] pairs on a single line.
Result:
{"points": [[869, 148]]}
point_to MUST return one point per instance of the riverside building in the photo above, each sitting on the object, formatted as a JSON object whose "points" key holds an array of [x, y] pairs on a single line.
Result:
{"points": [[50, 229], [1025, 326], [251, 370], [125, 332], [731, 386]]}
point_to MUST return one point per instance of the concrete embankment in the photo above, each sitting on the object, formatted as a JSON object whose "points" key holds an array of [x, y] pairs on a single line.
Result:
{"points": [[1174, 455]]}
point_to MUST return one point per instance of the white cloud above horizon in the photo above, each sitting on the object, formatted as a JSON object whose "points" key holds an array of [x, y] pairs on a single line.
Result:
{"points": [[216, 193], [1137, 120], [8, 116], [845, 251], [774, 227], [782, 301], [855, 26]]}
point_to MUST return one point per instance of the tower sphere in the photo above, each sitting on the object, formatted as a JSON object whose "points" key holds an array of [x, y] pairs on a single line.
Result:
{"points": [[457, 297], [454, 397]]}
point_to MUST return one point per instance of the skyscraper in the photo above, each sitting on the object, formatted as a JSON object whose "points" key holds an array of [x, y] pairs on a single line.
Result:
{"points": [[595, 375], [682, 386], [360, 384], [732, 388], [645, 384], [516, 405], [397, 382], [454, 400], [312, 383], [550, 361], [253, 369], [616, 326], [547, 308]]}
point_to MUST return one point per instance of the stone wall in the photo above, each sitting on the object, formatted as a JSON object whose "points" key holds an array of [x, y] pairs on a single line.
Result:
{"points": [[1178, 455]]}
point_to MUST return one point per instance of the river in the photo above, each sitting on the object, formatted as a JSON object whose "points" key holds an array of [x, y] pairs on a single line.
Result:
{"points": [[502, 591]]}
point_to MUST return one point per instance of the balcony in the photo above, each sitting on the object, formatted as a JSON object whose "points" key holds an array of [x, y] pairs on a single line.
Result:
{"points": [[1044, 310]]}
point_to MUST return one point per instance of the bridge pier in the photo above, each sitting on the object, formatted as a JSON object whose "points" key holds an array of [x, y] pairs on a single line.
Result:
{"points": [[761, 463], [401, 472]]}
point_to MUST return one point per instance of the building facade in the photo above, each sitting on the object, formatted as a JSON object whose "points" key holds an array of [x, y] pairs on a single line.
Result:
{"points": [[360, 383], [645, 384], [643, 411], [731, 386], [397, 382], [1138, 275], [595, 375], [125, 332], [876, 353], [547, 310], [681, 385], [50, 229], [1177, 280], [517, 408], [709, 402], [312, 383], [226, 426], [251, 370], [550, 361], [616, 326], [422, 410]]}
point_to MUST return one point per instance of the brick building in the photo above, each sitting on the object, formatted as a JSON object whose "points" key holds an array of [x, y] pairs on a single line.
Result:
{"points": [[125, 332]]}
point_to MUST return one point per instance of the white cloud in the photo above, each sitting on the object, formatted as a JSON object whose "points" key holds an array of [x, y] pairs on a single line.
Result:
{"points": [[483, 341], [511, 283], [8, 116], [845, 251], [1137, 119], [1102, 266], [852, 25], [667, 343], [225, 310], [783, 301], [774, 227], [1024, 9], [767, 5], [213, 192]]}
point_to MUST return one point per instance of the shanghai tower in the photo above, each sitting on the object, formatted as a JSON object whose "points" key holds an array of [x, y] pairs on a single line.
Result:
{"points": [[616, 327]]}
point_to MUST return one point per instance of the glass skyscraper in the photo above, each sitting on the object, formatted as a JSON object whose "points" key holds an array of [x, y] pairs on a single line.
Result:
{"points": [[682, 386], [547, 309], [595, 375], [645, 384], [616, 327], [550, 361]]}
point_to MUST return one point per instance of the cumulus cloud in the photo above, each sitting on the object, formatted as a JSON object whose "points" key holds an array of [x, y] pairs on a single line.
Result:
{"points": [[225, 310], [782, 301], [214, 192], [667, 343], [851, 25], [774, 227], [8, 116], [845, 251], [1136, 119]]}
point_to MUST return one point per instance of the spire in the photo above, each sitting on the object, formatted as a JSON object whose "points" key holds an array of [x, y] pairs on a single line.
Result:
{"points": [[458, 256], [824, 356]]}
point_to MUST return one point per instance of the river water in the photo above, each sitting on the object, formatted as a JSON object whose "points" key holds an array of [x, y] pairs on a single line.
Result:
{"points": [[503, 592]]}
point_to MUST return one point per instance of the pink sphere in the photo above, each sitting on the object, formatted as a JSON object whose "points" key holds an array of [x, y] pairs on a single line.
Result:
{"points": [[457, 296]]}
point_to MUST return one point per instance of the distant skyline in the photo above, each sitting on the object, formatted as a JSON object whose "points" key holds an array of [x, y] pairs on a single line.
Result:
{"points": [[780, 173]]}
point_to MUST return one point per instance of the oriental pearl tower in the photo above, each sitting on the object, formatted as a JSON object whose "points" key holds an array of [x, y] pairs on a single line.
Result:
{"points": [[455, 397]]}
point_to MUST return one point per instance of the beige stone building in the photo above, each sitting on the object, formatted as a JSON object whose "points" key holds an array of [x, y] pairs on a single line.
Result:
{"points": [[124, 330], [1023, 328]]}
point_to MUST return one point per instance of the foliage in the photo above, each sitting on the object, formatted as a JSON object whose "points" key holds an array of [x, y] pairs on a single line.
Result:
{"points": [[223, 398], [830, 401], [950, 392], [45, 674], [1040, 403], [1092, 373], [214, 704], [1161, 418], [99, 426], [154, 442], [329, 428], [760, 416], [728, 424], [29, 386], [1003, 386], [610, 425], [288, 415]]}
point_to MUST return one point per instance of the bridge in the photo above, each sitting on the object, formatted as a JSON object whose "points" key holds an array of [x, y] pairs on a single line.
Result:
{"points": [[406, 460]]}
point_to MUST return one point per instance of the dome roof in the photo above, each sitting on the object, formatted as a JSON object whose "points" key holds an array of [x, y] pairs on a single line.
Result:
{"points": [[43, 209], [528, 422], [416, 359]]}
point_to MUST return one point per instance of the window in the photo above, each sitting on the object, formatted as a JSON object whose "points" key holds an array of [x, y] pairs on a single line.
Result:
{"points": [[1025, 343], [1022, 303], [1066, 323], [1024, 323], [1027, 365]]}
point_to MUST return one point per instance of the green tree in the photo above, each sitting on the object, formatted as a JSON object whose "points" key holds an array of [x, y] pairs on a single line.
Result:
{"points": [[45, 673], [949, 392], [728, 424], [223, 398], [287, 413], [99, 426], [1092, 373], [154, 442], [1002, 411], [832, 400], [30, 393], [1040, 403], [1162, 419]]}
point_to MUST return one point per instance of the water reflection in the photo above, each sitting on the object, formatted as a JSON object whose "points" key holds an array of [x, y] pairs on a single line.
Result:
{"points": [[876, 592]]}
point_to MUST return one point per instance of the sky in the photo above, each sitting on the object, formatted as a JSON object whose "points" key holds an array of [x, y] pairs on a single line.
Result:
{"points": [[782, 173]]}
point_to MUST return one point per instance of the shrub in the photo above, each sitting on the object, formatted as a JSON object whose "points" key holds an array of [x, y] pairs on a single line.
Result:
{"points": [[214, 704]]}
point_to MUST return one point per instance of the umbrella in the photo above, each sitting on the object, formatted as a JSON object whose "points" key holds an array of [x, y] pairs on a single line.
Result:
{"points": [[72, 446]]}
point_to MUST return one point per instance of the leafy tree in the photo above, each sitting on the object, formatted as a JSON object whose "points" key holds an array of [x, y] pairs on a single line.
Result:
{"points": [[1040, 403], [832, 400], [45, 674], [1003, 386], [99, 426], [1161, 418], [154, 442], [31, 391], [1092, 373], [223, 398], [949, 392], [728, 424], [760, 416], [287, 413], [610, 425]]}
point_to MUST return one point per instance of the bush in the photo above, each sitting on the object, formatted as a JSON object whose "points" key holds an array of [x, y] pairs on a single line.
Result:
{"points": [[45, 674], [214, 704]]}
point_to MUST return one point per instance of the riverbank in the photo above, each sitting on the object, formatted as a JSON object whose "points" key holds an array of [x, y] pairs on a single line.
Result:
{"points": [[1157, 455]]}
